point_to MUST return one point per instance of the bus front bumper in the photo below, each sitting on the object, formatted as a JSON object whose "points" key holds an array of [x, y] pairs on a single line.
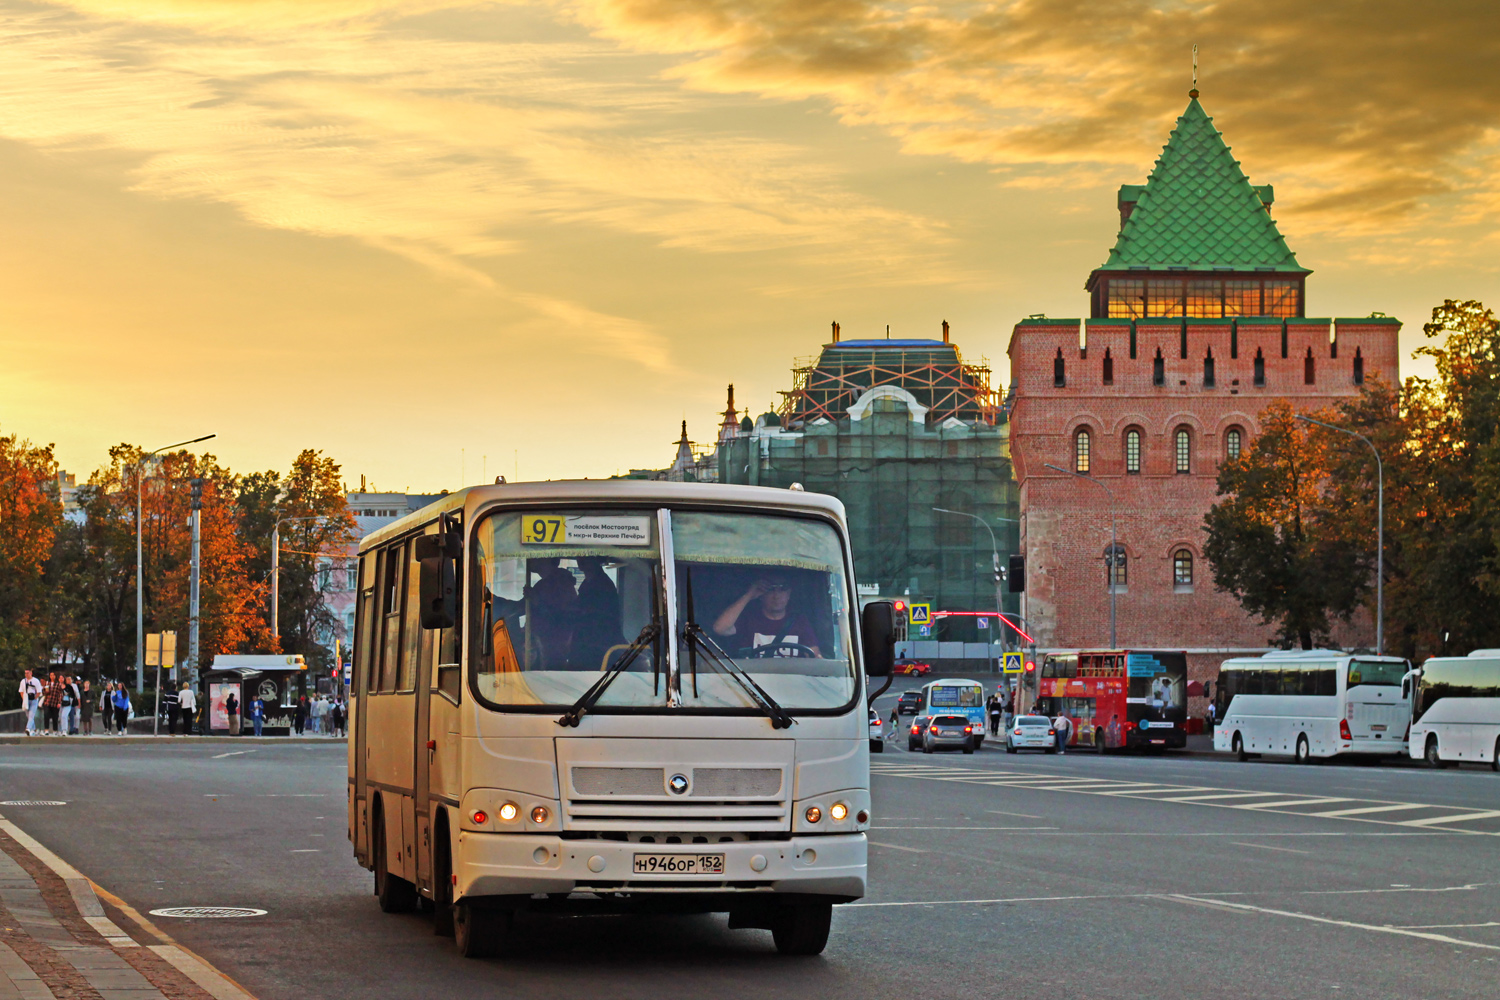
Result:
{"points": [[504, 864]]}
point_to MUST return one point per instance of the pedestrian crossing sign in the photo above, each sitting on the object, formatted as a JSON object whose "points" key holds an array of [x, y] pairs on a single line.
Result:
{"points": [[921, 614], [1011, 663]]}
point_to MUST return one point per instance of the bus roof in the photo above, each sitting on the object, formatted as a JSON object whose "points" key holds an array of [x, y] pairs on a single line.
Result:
{"points": [[1284, 655], [473, 499]]}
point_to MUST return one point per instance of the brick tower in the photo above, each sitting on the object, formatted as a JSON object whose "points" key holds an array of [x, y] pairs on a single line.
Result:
{"points": [[1197, 323]]}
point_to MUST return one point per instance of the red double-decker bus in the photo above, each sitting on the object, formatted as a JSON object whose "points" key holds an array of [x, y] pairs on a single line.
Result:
{"points": [[1117, 698]]}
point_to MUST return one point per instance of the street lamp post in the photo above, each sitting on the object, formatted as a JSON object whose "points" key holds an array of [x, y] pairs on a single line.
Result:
{"points": [[140, 608], [1114, 546], [994, 551], [1379, 528]]}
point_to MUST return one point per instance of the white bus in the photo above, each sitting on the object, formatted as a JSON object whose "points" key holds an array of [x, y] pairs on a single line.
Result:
{"points": [[1457, 709], [956, 697], [1312, 703], [614, 696]]}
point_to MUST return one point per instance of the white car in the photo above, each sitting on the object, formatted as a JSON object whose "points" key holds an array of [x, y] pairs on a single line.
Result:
{"points": [[1031, 732], [877, 733]]}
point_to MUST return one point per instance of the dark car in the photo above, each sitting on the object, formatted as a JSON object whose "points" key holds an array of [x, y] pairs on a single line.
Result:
{"points": [[908, 703], [949, 732], [918, 730]]}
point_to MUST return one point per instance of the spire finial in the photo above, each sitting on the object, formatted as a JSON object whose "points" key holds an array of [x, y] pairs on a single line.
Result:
{"points": [[1194, 92]]}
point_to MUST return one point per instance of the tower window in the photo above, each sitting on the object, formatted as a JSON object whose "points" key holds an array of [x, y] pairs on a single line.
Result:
{"points": [[1133, 451], [1184, 443], [1081, 452], [1260, 368], [1127, 298], [1242, 298], [1115, 567], [1182, 568], [1205, 298], [1359, 367], [1309, 372], [1059, 371], [1109, 368], [1158, 369], [1164, 297], [1233, 441], [1281, 299], [1208, 369]]}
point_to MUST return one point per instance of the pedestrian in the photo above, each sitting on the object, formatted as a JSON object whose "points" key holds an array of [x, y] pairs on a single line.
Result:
{"points": [[31, 699], [187, 707], [121, 702], [996, 712], [52, 699], [86, 709], [319, 714], [257, 714], [232, 709], [1063, 727], [1212, 716], [107, 706], [299, 715], [169, 705], [69, 703], [336, 719]]}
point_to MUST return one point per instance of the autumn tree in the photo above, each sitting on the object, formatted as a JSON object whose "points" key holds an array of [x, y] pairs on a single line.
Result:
{"points": [[29, 516], [1279, 540]]}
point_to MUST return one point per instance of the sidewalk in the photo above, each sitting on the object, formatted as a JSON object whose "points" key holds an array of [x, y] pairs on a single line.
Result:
{"points": [[11, 739], [59, 940]]}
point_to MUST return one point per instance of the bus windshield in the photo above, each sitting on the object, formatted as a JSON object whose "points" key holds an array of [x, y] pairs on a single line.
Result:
{"points": [[563, 595]]}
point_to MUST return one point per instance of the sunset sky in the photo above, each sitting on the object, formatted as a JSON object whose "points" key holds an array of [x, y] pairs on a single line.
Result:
{"points": [[437, 238]]}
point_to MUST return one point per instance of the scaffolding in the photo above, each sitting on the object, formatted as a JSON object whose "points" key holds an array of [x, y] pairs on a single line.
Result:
{"points": [[932, 371]]}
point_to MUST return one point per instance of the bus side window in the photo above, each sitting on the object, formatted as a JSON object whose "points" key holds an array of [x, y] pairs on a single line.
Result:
{"points": [[364, 624], [390, 616], [411, 630], [1049, 667]]}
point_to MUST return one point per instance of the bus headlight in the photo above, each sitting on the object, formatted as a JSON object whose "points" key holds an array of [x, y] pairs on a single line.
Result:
{"points": [[509, 811], [838, 812], [813, 814]]}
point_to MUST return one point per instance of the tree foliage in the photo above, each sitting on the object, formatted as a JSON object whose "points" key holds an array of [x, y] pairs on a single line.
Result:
{"points": [[29, 517]]}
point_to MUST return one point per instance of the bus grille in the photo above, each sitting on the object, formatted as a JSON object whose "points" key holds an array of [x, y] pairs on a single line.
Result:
{"points": [[635, 799]]}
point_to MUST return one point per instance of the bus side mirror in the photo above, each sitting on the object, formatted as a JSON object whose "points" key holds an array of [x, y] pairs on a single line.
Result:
{"points": [[437, 579], [878, 638]]}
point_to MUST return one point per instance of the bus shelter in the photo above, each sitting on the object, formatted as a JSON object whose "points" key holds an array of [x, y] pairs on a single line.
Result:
{"points": [[276, 679]]}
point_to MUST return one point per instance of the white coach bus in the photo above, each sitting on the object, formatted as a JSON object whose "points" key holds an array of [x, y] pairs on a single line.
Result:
{"points": [[610, 697], [1312, 703], [1457, 709]]}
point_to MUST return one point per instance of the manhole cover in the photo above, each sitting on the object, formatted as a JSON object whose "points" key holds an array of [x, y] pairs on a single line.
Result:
{"points": [[207, 912], [32, 802]]}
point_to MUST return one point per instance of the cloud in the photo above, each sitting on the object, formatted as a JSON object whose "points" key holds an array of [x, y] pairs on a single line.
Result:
{"points": [[1369, 115]]}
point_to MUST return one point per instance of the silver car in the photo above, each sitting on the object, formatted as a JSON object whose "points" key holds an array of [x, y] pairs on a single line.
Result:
{"points": [[949, 732], [1031, 732]]}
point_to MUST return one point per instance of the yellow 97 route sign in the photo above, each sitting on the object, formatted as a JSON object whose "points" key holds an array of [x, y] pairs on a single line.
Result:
{"points": [[607, 529], [537, 530]]}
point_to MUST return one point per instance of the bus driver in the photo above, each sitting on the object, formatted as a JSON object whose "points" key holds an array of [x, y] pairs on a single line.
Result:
{"points": [[769, 624]]}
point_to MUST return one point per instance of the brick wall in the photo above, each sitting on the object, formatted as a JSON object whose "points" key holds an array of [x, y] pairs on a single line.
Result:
{"points": [[1066, 521]]}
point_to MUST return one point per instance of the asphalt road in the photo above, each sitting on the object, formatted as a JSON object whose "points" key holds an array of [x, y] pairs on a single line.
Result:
{"points": [[990, 874]]}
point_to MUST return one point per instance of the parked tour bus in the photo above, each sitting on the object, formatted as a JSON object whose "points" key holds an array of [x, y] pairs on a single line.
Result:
{"points": [[1117, 698], [614, 696], [1312, 703], [956, 697], [1457, 709]]}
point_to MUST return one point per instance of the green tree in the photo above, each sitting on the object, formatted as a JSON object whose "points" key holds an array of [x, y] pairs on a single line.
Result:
{"points": [[1280, 541]]}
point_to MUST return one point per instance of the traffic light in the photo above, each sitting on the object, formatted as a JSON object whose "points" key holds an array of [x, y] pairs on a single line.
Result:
{"points": [[1028, 674], [1017, 574], [900, 608], [197, 485]]}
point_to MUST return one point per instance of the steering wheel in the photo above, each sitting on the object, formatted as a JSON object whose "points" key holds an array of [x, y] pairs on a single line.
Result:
{"points": [[766, 652]]}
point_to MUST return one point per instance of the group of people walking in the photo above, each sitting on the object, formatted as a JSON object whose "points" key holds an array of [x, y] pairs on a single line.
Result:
{"points": [[320, 715], [61, 705]]}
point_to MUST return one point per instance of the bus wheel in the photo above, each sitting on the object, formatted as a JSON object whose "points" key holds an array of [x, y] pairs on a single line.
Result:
{"points": [[476, 931], [1495, 760], [396, 894], [1431, 753], [1304, 752], [802, 929], [1239, 749]]}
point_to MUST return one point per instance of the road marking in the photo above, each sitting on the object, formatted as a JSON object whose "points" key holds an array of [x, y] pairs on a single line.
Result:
{"points": [[306, 850], [1283, 803], [1433, 927], [1001, 812], [232, 753], [1268, 847], [1456, 818], [1378, 928], [898, 847]]}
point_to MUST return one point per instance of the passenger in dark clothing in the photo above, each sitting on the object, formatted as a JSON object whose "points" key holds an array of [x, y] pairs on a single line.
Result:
{"points": [[596, 616], [769, 622], [552, 604]]}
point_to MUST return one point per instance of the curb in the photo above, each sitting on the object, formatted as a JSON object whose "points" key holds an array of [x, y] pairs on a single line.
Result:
{"points": [[86, 897], [20, 739]]}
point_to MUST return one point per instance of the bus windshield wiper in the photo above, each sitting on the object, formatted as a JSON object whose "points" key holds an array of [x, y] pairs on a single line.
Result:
{"points": [[591, 697], [700, 639]]}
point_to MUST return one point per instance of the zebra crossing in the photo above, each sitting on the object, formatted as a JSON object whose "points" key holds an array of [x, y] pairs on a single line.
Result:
{"points": [[1417, 816]]}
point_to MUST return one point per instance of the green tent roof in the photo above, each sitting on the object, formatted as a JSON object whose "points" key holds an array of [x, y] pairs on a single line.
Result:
{"points": [[1199, 211]]}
